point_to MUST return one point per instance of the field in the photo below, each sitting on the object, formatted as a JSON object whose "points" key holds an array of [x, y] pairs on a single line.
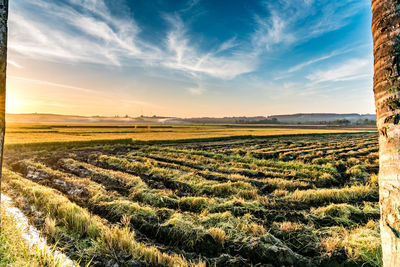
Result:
{"points": [[38, 133], [295, 200]]}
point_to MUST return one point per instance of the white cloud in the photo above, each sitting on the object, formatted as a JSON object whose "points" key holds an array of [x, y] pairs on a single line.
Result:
{"points": [[196, 90], [86, 31], [310, 62], [106, 39], [291, 23], [42, 82], [40, 41], [353, 69], [126, 99], [272, 31], [322, 58], [190, 4], [100, 39], [229, 44], [96, 6], [187, 58], [13, 63]]}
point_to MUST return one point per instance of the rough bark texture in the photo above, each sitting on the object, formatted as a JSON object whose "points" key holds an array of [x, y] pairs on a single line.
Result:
{"points": [[386, 34], [3, 68]]}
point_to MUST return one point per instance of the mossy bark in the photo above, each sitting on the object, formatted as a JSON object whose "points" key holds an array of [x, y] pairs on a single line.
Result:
{"points": [[3, 68], [386, 35]]}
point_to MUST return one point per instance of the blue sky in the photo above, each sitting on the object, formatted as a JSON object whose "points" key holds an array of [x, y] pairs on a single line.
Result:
{"points": [[190, 58]]}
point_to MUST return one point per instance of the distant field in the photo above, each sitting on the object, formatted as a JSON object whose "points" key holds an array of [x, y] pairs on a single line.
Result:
{"points": [[299, 200], [38, 133]]}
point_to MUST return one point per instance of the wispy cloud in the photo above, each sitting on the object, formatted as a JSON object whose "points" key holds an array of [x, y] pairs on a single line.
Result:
{"points": [[88, 34], [294, 22], [353, 69], [196, 90], [186, 57], [127, 100], [272, 31], [66, 86], [40, 41], [13, 63], [319, 59], [91, 34], [189, 6], [86, 31]]}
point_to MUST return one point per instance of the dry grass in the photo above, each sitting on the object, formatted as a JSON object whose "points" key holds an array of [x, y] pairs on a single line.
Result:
{"points": [[345, 194], [290, 226], [218, 234], [82, 222], [361, 243]]}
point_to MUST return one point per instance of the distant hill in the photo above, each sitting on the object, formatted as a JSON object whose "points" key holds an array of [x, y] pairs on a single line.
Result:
{"points": [[313, 118], [306, 118], [227, 120]]}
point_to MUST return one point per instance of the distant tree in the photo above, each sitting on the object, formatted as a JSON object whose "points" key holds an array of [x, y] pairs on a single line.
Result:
{"points": [[341, 122], [386, 35], [366, 122], [3, 69], [262, 121], [336, 122]]}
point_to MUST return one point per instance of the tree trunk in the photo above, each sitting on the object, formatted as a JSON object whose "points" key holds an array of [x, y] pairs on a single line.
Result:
{"points": [[3, 68], [386, 34]]}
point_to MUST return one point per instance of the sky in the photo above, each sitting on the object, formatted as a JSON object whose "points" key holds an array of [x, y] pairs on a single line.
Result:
{"points": [[189, 58]]}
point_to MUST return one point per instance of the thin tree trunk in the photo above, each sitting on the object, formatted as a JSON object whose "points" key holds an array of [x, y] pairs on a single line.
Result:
{"points": [[3, 68], [386, 35]]}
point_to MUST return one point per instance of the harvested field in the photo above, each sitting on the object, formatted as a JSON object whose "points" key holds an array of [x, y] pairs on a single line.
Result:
{"points": [[307, 200], [38, 133]]}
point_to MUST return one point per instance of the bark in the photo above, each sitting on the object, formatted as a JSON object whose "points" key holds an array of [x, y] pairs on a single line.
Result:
{"points": [[3, 68], [386, 35]]}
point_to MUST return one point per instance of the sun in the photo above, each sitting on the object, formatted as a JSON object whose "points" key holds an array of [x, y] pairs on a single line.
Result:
{"points": [[13, 104]]}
